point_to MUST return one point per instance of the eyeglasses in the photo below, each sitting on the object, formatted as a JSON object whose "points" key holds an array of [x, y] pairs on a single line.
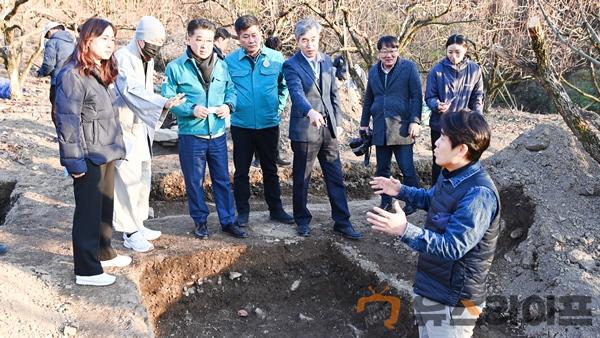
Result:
{"points": [[388, 51]]}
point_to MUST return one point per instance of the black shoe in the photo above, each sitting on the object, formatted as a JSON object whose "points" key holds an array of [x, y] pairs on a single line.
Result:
{"points": [[303, 230], [348, 232], [242, 219], [282, 162], [409, 209], [201, 231], [234, 230], [3, 249], [281, 216]]}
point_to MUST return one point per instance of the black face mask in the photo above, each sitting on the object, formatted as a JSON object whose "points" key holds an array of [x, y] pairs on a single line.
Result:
{"points": [[149, 50]]}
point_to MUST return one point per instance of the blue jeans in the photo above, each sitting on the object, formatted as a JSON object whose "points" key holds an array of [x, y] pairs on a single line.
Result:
{"points": [[404, 158], [194, 153]]}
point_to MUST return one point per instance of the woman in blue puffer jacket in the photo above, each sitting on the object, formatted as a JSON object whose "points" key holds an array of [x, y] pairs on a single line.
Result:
{"points": [[453, 84]]}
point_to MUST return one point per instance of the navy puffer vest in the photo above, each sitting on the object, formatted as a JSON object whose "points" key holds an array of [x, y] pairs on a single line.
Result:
{"points": [[450, 281]]}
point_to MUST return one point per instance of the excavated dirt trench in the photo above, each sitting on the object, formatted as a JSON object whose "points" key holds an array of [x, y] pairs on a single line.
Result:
{"points": [[168, 189], [195, 295], [6, 203], [518, 212], [299, 289]]}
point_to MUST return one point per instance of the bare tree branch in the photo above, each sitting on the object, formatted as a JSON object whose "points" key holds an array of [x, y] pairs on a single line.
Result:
{"points": [[13, 10], [561, 37], [594, 78], [36, 54], [582, 123], [581, 92]]}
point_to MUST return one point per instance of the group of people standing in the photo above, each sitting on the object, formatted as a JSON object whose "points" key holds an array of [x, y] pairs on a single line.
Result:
{"points": [[456, 245], [106, 112], [393, 100]]}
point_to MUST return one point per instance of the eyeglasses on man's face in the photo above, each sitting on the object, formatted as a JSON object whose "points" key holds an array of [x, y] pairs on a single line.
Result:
{"points": [[388, 51]]}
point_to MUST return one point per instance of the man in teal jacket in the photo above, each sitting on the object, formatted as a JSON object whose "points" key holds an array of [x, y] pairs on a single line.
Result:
{"points": [[203, 78], [262, 93]]}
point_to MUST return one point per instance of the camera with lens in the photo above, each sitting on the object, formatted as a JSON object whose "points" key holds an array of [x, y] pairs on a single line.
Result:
{"points": [[362, 145]]}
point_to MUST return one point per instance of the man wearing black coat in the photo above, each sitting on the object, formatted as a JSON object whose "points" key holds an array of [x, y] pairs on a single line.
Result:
{"points": [[393, 99]]}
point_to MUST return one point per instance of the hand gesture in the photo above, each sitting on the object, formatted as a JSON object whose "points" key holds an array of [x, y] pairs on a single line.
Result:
{"points": [[200, 112], [414, 129], [223, 111], [390, 223], [175, 101], [443, 106], [316, 119], [383, 185]]}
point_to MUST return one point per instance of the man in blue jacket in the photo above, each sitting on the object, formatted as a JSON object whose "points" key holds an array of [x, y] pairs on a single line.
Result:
{"points": [[210, 97], [58, 48], [393, 99], [315, 125], [256, 72], [456, 247]]}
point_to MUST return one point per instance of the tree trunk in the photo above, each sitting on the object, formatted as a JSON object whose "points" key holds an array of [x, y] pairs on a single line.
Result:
{"points": [[27, 68], [584, 124], [12, 66]]}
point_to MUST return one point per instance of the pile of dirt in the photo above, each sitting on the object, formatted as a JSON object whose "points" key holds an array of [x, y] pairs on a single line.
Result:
{"points": [[553, 199]]}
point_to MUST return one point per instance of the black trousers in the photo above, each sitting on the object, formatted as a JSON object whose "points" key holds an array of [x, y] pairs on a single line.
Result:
{"points": [[326, 149], [435, 169], [52, 103], [245, 143], [92, 221]]}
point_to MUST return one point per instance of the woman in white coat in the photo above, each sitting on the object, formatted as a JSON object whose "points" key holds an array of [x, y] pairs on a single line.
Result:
{"points": [[141, 111]]}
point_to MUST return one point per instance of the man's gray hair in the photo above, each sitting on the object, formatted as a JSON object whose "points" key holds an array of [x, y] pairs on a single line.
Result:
{"points": [[305, 25]]}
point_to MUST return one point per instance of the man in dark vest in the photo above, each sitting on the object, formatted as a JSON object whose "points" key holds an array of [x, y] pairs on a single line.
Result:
{"points": [[456, 246]]}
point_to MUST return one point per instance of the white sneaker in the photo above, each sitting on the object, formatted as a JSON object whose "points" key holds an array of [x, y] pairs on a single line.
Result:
{"points": [[137, 242], [102, 279], [119, 261], [150, 234]]}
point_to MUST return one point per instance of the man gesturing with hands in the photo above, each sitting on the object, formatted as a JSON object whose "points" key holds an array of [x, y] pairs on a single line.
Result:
{"points": [[456, 246]]}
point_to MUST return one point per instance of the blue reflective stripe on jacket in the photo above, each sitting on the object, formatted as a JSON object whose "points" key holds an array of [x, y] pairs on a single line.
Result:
{"points": [[261, 89], [182, 77]]}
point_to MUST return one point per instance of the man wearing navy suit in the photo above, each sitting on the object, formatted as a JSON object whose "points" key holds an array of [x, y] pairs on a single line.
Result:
{"points": [[315, 124]]}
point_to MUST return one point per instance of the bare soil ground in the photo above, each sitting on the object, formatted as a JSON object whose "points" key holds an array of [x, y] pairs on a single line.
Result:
{"points": [[549, 246]]}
